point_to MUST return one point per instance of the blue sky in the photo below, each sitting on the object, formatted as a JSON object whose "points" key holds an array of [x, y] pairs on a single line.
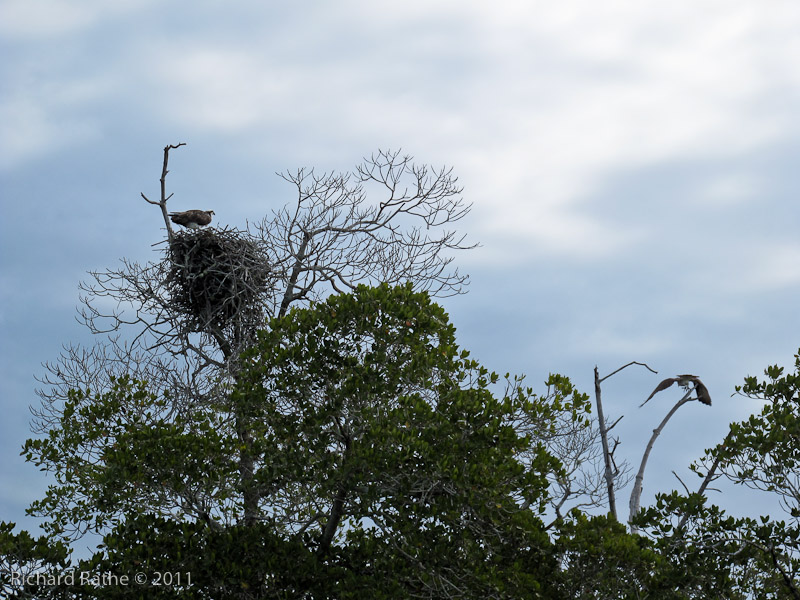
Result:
{"points": [[632, 169]]}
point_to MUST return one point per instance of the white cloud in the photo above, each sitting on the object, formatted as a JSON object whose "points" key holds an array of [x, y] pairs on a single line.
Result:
{"points": [[21, 18], [537, 102], [730, 190], [31, 19], [220, 89], [764, 266], [557, 98], [37, 121]]}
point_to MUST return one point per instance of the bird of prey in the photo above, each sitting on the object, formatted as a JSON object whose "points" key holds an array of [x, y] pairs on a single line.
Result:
{"points": [[683, 381], [192, 219]]}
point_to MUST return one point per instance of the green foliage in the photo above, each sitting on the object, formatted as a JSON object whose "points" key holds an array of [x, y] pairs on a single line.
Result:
{"points": [[368, 401], [23, 557], [602, 560], [746, 557], [762, 452], [123, 450], [358, 452], [702, 555], [709, 552]]}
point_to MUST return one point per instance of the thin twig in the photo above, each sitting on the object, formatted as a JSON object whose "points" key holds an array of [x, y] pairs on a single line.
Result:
{"points": [[633, 362]]}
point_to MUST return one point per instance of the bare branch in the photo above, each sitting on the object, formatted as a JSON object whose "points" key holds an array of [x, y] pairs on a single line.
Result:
{"points": [[608, 474], [685, 487], [711, 475], [633, 362], [163, 181], [333, 240], [614, 424], [637, 487]]}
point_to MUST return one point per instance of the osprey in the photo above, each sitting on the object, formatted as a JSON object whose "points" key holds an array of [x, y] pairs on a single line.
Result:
{"points": [[683, 381], [193, 219]]}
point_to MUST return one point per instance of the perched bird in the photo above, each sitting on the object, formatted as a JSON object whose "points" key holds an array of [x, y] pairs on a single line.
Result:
{"points": [[192, 219], [683, 381]]}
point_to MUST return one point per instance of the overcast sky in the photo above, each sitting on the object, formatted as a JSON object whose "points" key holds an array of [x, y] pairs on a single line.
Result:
{"points": [[633, 169]]}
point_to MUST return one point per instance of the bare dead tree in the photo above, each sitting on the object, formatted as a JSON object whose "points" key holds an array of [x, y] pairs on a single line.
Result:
{"points": [[611, 472], [701, 395], [331, 238], [180, 322]]}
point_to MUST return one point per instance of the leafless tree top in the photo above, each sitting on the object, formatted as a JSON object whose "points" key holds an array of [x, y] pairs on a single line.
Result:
{"points": [[332, 238], [389, 220]]}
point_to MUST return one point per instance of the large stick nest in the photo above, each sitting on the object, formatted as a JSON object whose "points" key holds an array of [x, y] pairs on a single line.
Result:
{"points": [[217, 275]]}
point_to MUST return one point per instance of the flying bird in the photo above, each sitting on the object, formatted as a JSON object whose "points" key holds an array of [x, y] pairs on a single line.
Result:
{"points": [[192, 219], [683, 381]]}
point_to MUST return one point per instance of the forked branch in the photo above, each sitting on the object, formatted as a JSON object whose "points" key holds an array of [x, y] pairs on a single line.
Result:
{"points": [[163, 202], [610, 471]]}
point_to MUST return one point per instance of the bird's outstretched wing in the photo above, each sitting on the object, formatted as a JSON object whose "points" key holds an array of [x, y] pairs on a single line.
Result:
{"points": [[684, 380], [702, 392], [660, 387]]}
